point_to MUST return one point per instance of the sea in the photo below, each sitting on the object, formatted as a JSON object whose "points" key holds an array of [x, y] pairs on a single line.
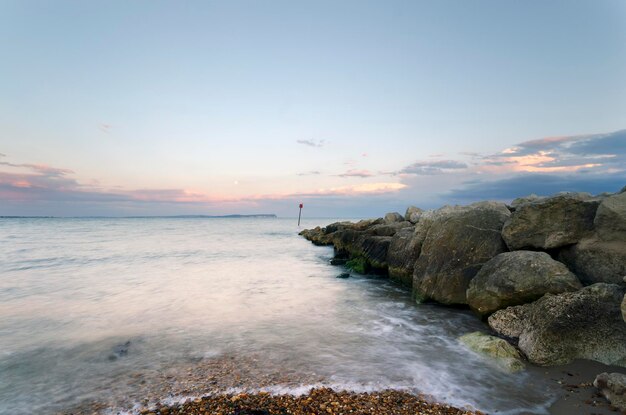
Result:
{"points": [[117, 313]]}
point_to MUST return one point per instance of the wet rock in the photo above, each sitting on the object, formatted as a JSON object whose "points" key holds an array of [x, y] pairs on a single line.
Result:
{"points": [[318, 235], [613, 387], [338, 261], [594, 260], [504, 354], [457, 242], [387, 229], [120, 350], [556, 329], [374, 250], [393, 217], [550, 223], [343, 275], [623, 307], [413, 214], [404, 249], [610, 219], [514, 278]]}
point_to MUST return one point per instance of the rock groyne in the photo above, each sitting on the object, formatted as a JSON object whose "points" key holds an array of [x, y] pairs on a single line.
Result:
{"points": [[548, 274]]}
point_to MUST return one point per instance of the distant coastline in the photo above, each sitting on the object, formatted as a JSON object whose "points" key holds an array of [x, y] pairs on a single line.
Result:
{"points": [[260, 215]]}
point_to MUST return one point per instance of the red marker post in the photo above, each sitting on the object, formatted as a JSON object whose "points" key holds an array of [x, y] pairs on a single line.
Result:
{"points": [[300, 213]]}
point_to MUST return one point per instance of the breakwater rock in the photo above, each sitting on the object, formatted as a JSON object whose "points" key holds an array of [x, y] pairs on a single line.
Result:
{"points": [[547, 272]]}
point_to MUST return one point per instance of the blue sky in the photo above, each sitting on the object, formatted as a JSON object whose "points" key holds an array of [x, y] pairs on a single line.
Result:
{"points": [[355, 108]]}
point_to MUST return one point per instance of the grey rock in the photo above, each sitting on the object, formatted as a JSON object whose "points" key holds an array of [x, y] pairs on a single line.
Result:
{"points": [[457, 241], [594, 260], [499, 350], [374, 250], [556, 329], [610, 220], [526, 199], [413, 214], [551, 223], [613, 387], [624, 308], [520, 277], [389, 229], [404, 249], [393, 217], [343, 275]]}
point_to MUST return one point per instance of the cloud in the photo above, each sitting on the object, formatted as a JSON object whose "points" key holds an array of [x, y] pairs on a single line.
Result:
{"points": [[597, 152], [357, 173], [310, 173], [509, 188], [433, 167], [105, 128], [366, 188], [312, 143], [37, 189]]}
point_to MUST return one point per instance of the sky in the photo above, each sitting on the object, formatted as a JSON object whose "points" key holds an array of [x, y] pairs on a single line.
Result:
{"points": [[354, 108]]}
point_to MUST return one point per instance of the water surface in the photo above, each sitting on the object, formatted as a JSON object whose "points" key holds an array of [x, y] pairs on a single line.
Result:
{"points": [[86, 304]]}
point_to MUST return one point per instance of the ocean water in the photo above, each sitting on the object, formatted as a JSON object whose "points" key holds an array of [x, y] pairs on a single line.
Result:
{"points": [[87, 304]]}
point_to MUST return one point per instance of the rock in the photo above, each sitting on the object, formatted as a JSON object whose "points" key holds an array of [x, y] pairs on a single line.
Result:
{"points": [[343, 275], [551, 223], [613, 387], [514, 278], [413, 214], [388, 229], [556, 329], [338, 261], [367, 223], [624, 307], [610, 219], [120, 350], [505, 355], [526, 199], [374, 250], [313, 235], [404, 250], [393, 217], [457, 241], [594, 260]]}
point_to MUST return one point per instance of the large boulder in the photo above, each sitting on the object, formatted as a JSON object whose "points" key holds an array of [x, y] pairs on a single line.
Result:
{"points": [[374, 250], [499, 350], [550, 223], [518, 277], [613, 387], [594, 260], [457, 241], [413, 214], [526, 199], [610, 220], [556, 329], [624, 307], [393, 217], [404, 250], [388, 229]]}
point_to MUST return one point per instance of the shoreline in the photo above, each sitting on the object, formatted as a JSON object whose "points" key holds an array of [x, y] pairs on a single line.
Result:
{"points": [[242, 385], [316, 401]]}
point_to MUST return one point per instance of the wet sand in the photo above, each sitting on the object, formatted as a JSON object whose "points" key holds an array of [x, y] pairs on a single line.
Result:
{"points": [[579, 394]]}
